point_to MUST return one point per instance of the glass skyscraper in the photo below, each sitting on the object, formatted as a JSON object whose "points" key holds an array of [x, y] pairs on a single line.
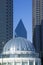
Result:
{"points": [[6, 21], [21, 30], [37, 21]]}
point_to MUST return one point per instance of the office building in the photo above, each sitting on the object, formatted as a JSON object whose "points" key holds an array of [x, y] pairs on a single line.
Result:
{"points": [[37, 21], [19, 51], [6, 21], [20, 30]]}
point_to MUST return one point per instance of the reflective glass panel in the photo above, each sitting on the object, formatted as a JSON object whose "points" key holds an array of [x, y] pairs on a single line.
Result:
{"points": [[31, 63], [0, 64], [39, 62], [36, 63], [17, 63], [24, 63], [7, 63], [4, 63]]}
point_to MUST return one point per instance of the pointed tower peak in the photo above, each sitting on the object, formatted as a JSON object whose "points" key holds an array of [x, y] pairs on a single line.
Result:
{"points": [[21, 23], [21, 30], [21, 20]]}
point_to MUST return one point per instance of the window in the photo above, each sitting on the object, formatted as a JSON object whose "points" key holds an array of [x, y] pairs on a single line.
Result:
{"points": [[7, 63], [31, 63], [0, 64], [4, 63], [17, 63], [36, 63], [24, 63]]}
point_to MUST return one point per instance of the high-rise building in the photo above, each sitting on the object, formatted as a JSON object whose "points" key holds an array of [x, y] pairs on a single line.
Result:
{"points": [[6, 21], [20, 30], [37, 21]]}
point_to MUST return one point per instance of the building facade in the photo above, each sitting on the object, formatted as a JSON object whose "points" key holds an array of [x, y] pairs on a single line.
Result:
{"points": [[6, 21], [37, 21]]}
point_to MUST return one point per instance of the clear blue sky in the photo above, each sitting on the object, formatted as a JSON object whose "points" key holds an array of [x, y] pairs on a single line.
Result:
{"points": [[22, 9]]}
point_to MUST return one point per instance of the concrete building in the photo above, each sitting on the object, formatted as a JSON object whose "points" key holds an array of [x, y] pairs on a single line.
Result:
{"points": [[20, 30], [6, 21], [37, 21]]}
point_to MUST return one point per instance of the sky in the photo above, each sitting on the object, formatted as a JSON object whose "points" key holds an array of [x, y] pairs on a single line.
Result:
{"points": [[22, 9]]}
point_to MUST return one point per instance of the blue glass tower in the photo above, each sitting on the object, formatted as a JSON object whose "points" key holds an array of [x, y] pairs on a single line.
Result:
{"points": [[21, 30]]}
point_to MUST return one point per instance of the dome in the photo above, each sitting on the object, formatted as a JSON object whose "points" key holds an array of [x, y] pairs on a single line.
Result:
{"points": [[19, 51], [18, 44]]}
